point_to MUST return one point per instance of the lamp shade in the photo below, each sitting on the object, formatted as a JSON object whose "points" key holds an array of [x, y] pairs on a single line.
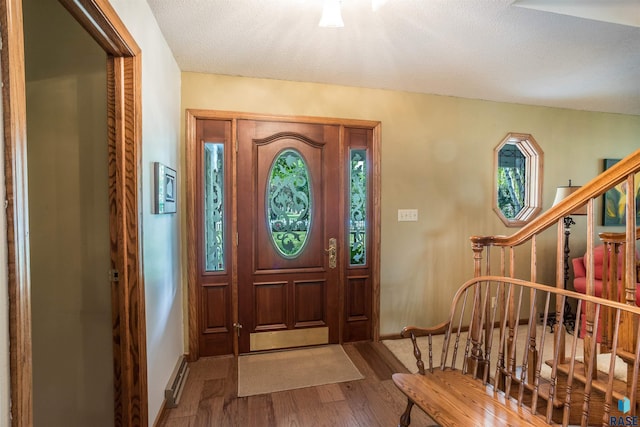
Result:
{"points": [[565, 191]]}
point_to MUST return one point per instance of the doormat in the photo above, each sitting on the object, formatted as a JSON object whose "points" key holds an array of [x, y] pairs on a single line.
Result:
{"points": [[291, 369]]}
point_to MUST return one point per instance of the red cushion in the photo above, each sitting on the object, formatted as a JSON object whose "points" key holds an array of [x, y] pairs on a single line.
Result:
{"points": [[598, 260], [578, 267], [580, 285], [583, 315], [580, 281]]}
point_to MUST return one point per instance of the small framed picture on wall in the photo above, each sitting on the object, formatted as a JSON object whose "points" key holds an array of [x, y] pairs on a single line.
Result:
{"points": [[165, 189]]}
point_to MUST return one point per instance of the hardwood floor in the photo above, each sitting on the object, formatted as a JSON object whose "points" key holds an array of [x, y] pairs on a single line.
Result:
{"points": [[209, 397]]}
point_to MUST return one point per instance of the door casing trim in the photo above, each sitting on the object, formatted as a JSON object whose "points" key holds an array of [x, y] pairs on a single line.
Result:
{"points": [[191, 117], [124, 139]]}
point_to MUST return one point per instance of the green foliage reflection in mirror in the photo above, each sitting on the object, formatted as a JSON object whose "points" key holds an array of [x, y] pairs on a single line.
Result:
{"points": [[512, 173], [518, 179], [289, 203]]}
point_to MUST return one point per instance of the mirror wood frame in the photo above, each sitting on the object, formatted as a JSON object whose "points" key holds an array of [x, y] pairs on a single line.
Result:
{"points": [[533, 178]]}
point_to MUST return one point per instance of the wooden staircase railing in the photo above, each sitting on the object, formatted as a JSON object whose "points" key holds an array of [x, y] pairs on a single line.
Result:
{"points": [[613, 288], [510, 248], [512, 387]]}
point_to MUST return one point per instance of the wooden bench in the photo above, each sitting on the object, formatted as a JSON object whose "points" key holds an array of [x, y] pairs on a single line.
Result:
{"points": [[500, 367]]}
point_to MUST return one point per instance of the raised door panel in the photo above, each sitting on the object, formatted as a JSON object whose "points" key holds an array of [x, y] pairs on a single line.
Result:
{"points": [[213, 184], [358, 296], [288, 209]]}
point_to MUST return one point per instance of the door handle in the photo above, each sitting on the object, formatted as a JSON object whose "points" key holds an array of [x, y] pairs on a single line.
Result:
{"points": [[238, 326], [333, 252]]}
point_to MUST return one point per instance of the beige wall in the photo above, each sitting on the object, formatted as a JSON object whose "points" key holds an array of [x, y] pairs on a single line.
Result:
{"points": [[69, 240], [437, 157], [68, 220]]}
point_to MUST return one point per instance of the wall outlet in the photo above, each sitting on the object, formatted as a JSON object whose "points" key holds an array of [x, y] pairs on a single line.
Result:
{"points": [[493, 302], [407, 215]]}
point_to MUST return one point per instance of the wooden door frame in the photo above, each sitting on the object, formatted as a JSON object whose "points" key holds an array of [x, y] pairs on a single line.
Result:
{"points": [[124, 139], [192, 115]]}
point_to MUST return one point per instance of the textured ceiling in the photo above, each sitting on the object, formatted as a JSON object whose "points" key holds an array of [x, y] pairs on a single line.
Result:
{"points": [[582, 56]]}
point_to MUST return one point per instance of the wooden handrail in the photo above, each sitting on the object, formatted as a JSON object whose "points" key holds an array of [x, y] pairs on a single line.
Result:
{"points": [[622, 171], [594, 188], [540, 287], [610, 237]]}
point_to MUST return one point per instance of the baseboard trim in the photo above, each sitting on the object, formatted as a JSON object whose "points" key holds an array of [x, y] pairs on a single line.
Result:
{"points": [[176, 383], [162, 414]]}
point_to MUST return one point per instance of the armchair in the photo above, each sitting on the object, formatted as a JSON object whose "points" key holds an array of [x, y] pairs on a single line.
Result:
{"points": [[580, 280]]}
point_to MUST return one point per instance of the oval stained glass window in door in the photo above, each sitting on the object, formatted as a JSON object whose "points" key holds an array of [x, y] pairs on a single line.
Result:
{"points": [[289, 203]]}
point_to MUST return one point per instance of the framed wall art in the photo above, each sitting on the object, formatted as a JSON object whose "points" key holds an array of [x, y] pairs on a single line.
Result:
{"points": [[613, 203], [165, 189]]}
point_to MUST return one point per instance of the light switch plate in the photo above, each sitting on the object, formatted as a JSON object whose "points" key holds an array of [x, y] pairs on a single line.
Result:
{"points": [[407, 215]]}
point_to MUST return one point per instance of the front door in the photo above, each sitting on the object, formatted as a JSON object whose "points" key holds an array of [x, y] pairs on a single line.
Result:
{"points": [[283, 246], [289, 217]]}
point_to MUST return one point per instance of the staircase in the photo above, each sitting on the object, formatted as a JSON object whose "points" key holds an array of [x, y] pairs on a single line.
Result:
{"points": [[521, 248]]}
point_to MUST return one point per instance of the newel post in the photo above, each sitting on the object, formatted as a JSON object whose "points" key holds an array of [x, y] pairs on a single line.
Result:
{"points": [[476, 362], [478, 243]]}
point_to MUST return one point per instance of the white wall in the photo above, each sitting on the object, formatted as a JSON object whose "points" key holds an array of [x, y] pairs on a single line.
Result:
{"points": [[161, 120]]}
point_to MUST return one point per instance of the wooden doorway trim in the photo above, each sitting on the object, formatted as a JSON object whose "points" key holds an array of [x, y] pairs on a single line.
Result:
{"points": [[191, 117], [124, 139], [15, 157]]}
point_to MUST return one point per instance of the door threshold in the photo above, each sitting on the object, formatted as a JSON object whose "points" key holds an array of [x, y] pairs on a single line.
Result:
{"points": [[260, 341]]}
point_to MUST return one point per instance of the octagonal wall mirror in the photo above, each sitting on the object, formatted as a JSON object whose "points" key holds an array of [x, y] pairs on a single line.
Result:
{"points": [[518, 179]]}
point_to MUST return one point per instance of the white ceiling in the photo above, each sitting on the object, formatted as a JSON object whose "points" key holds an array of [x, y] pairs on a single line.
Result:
{"points": [[578, 54]]}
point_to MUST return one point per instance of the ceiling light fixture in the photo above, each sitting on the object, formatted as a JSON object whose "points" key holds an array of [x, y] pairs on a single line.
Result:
{"points": [[331, 15]]}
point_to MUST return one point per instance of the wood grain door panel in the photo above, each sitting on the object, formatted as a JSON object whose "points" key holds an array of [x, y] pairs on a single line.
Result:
{"points": [[270, 305], [264, 152], [277, 292], [263, 299], [358, 282], [214, 287]]}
